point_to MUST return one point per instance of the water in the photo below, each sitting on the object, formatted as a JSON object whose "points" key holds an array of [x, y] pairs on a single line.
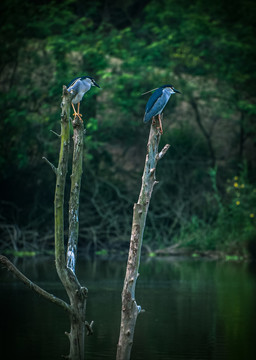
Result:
{"points": [[194, 310]]}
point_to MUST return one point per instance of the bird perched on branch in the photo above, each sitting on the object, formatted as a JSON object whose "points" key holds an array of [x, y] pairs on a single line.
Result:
{"points": [[79, 86], [157, 103]]}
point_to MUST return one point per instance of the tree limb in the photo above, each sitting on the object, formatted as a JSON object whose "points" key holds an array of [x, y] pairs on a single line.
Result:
{"points": [[51, 165], [59, 135], [10, 266], [163, 151]]}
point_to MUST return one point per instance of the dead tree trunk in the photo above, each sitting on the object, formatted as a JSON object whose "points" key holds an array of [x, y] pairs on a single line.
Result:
{"points": [[66, 265], [65, 262], [76, 293], [130, 309]]}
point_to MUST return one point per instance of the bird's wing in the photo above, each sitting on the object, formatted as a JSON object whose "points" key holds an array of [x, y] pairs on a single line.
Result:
{"points": [[73, 82], [155, 105], [153, 98]]}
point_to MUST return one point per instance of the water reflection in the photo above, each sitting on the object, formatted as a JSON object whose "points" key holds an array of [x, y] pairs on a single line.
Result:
{"points": [[194, 310]]}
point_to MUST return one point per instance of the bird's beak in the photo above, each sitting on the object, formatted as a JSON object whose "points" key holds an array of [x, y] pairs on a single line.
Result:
{"points": [[177, 91], [95, 84]]}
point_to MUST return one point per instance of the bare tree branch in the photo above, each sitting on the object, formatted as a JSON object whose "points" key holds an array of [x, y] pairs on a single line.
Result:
{"points": [[51, 165], [163, 151], [10, 266], [55, 133]]}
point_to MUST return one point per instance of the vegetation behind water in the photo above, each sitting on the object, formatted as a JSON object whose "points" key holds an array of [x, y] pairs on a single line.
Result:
{"points": [[206, 196]]}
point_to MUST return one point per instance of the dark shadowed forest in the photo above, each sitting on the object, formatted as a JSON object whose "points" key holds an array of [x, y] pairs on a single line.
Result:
{"points": [[206, 196]]}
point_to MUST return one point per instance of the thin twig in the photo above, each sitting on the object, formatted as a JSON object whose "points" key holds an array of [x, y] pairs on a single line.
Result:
{"points": [[51, 165], [89, 328], [163, 151], [59, 135]]}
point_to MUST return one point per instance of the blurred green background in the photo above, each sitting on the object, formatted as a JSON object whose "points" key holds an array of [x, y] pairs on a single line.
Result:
{"points": [[205, 200]]}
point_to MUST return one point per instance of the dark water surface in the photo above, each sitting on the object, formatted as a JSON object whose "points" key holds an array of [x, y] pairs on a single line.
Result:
{"points": [[194, 310]]}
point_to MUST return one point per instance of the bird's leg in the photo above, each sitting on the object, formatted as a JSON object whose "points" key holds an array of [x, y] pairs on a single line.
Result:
{"points": [[78, 107], [160, 124], [76, 113]]}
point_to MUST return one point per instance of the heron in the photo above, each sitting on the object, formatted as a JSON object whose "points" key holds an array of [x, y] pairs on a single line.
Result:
{"points": [[157, 103], [79, 86]]}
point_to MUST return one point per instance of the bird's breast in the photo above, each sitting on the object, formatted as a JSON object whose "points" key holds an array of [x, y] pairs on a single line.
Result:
{"points": [[78, 97]]}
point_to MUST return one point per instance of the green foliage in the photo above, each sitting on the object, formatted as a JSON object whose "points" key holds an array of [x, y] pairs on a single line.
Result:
{"points": [[103, 252], [233, 258], [234, 226], [20, 253]]}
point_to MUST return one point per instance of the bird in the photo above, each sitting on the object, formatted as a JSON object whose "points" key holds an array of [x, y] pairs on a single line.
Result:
{"points": [[79, 86], [157, 103]]}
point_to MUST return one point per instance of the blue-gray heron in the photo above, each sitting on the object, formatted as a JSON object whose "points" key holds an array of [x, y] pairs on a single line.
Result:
{"points": [[157, 103], [79, 86]]}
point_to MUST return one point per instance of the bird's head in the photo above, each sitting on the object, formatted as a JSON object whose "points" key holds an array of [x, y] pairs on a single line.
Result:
{"points": [[90, 81], [171, 89]]}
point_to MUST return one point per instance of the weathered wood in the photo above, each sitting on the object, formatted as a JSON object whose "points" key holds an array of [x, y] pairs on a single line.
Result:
{"points": [[77, 170], [66, 265], [130, 309], [61, 173], [78, 294]]}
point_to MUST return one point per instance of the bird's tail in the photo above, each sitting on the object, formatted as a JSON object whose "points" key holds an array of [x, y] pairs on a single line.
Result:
{"points": [[146, 118]]}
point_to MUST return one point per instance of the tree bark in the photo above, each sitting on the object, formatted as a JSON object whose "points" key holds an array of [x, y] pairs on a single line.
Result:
{"points": [[66, 266], [78, 294], [130, 309], [61, 173], [77, 170]]}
